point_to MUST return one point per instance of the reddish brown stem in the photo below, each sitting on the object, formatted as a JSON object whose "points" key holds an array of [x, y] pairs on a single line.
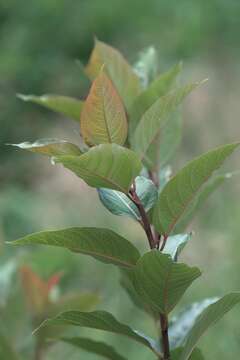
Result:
{"points": [[165, 339]]}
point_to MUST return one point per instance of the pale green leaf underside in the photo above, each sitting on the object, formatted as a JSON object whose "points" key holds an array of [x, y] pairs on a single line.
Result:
{"points": [[50, 147], [146, 66], [182, 323], [95, 347], [119, 204], [183, 187], [156, 117], [161, 282], [108, 166], [102, 244], [100, 320], [175, 245], [65, 105], [209, 317]]}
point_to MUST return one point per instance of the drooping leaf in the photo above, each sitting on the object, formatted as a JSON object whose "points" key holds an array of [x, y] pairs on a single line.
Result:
{"points": [[103, 118], [95, 347], [108, 165], [183, 187], [175, 245], [209, 317], [103, 244], [200, 199], [156, 117], [119, 204], [6, 350], [158, 88], [147, 65], [100, 320], [115, 65], [161, 282], [196, 354], [50, 147], [65, 105], [182, 323]]}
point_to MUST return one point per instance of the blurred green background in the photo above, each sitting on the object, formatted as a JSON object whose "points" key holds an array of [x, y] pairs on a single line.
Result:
{"points": [[40, 42]]}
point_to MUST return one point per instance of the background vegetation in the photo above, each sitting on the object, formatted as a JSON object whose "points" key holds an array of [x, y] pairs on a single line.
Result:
{"points": [[40, 42]]}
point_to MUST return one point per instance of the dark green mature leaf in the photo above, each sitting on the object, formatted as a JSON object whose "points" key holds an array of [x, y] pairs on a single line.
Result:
{"points": [[119, 204], [95, 347], [200, 199], [147, 65], [100, 320], [115, 65], [196, 354], [103, 117], [50, 147], [159, 87], [62, 104], [102, 244], [6, 350], [175, 245], [183, 187], [156, 117], [182, 323], [209, 317], [107, 165], [161, 282]]}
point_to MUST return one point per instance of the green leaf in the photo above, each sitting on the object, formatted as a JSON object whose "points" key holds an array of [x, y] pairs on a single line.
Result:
{"points": [[107, 165], [95, 347], [103, 117], [164, 176], [209, 317], [65, 105], [158, 88], [170, 138], [77, 301], [119, 204], [100, 320], [6, 350], [175, 244], [196, 354], [115, 65], [103, 244], [200, 199], [156, 117], [161, 282], [183, 187], [50, 147], [147, 65], [183, 322]]}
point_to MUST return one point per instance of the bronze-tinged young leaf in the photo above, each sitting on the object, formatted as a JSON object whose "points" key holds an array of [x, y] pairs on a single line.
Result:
{"points": [[95, 347], [209, 317], [161, 282], [103, 118], [115, 65], [105, 166], [65, 105], [100, 320], [158, 88], [156, 117], [180, 191], [50, 147], [103, 244]]}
